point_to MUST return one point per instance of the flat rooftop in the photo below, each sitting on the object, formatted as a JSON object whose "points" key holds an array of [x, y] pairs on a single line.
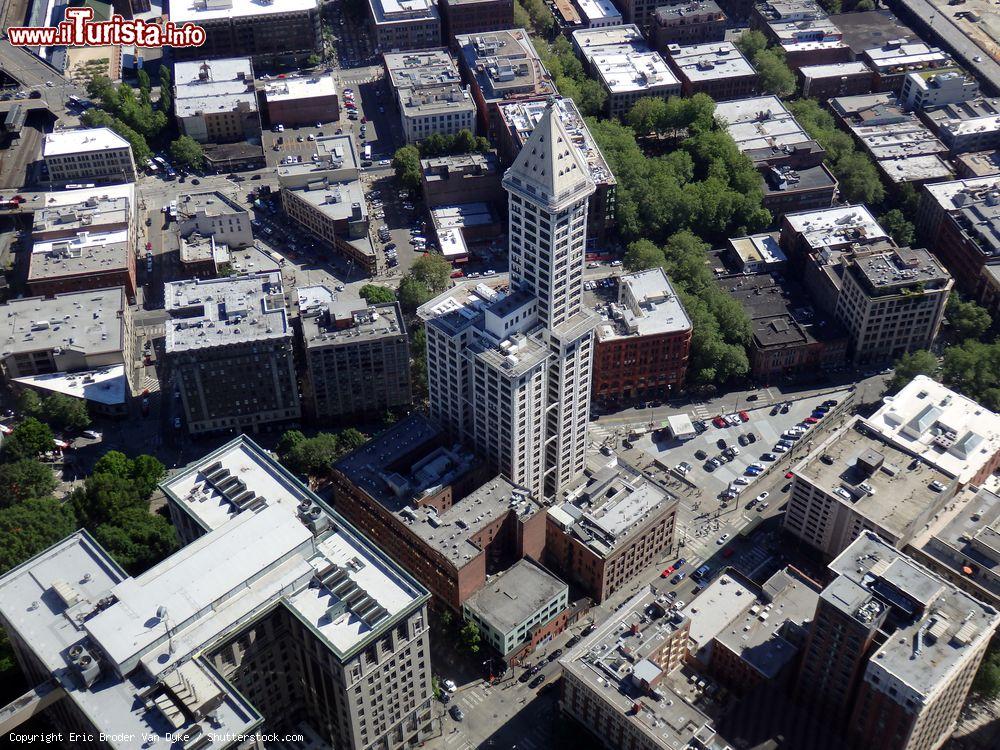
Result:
{"points": [[868, 29], [682, 11], [211, 203], [435, 100], [331, 318], [84, 254], [834, 70], [204, 88], [107, 385], [894, 54], [417, 68], [936, 624], [207, 313], [709, 62], [945, 428], [896, 495], [903, 267], [627, 33], [980, 163], [647, 306], [511, 597], [598, 10], [197, 11], [296, 88], [832, 227], [897, 140], [610, 505], [398, 11], [628, 67], [89, 322], [760, 122], [86, 140], [504, 64], [335, 160]]}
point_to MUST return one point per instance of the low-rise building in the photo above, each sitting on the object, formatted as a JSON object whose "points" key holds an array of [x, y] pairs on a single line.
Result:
{"points": [[89, 155], [324, 196], [79, 343], [978, 164], [933, 89], [609, 527], [501, 66], [896, 59], [208, 229], [295, 101], [803, 31], [822, 82], [687, 23], [84, 239], [357, 355], [966, 126], [855, 481], [639, 13], [988, 290], [401, 25], [598, 14], [517, 121], [790, 336], [641, 348], [430, 504], [461, 178], [229, 349], [519, 608], [460, 17], [287, 30], [960, 221], [718, 69], [216, 102], [429, 94], [461, 225]]}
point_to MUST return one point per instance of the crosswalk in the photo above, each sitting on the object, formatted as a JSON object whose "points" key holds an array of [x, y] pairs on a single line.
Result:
{"points": [[457, 741], [152, 385], [700, 411]]}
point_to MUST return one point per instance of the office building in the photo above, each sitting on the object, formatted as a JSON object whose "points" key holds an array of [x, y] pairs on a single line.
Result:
{"points": [[84, 239], [802, 30], [641, 348], [822, 82], [717, 69], [639, 13], [501, 66], [509, 369], [892, 62], [855, 481], [609, 527], [960, 221], [357, 355], [208, 230], [296, 101], [88, 156], [461, 178], [431, 505], [518, 609], [685, 24], [216, 102], [229, 349], [282, 30], [277, 617], [925, 90], [978, 164], [461, 17], [401, 25], [790, 336], [967, 126], [517, 121], [429, 94], [625, 66], [460, 226], [598, 14], [893, 648], [324, 197], [81, 344]]}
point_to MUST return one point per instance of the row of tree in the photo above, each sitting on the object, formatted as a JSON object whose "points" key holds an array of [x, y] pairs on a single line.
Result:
{"points": [[773, 74], [313, 456], [406, 161], [569, 76]]}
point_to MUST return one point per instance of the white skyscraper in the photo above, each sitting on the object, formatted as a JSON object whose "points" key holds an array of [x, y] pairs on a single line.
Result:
{"points": [[509, 369]]}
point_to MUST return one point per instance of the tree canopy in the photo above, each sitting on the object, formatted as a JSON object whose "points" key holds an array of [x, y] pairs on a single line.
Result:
{"points": [[911, 364], [773, 72], [29, 439], [24, 479], [374, 294], [55, 409], [568, 74], [406, 163], [30, 526], [187, 152], [967, 319], [987, 680], [899, 227], [314, 456]]}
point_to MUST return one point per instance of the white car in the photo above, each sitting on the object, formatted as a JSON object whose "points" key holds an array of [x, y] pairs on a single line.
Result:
{"points": [[92, 434], [762, 496], [449, 685], [780, 449], [616, 263], [678, 604], [722, 539], [735, 489]]}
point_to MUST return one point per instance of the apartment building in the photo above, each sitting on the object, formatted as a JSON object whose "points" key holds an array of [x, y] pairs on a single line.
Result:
{"points": [[357, 355], [897, 58], [967, 126], [610, 526], [216, 102], [688, 23], [639, 13], [501, 66], [429, 94], [433, 507], [978, 164], [518, 609], [88, 155], [400, 25], [324, 197], [598, 14], [855, 481], [208, 230], [517, 121], [461, 179], [84, 239], [296, 101], [229, 350], [461, 17], [266, 31], [802, 30], [931, 89], [641, 348], [81, 344], [509, 368], [717, 69], [822, 82], [893, 648]]}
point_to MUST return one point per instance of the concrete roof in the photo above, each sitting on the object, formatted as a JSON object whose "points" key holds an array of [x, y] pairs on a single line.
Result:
{"points": [[107, 386], [760, 122], [84, 140], [296, 88], [393, 11], [331, 319], [834, 226], [711, 61], [505, 64], [625, 68], [227, 86], [834, 70], [647, 306], [200, 10], [507, 600], [90, 322]]}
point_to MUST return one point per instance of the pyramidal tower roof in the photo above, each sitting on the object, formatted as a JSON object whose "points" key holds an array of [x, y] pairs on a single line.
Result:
{"points": [[549, 169]]}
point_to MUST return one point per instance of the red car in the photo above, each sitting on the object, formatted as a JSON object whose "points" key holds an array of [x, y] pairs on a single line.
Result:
{"points": [[719, 422], [789, 475], [666, 573], [744, 416], [811, 420]]}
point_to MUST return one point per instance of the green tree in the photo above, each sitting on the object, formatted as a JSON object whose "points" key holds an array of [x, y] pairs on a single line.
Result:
{"points": [[774, 74], [859, 180], [313, 60], [29, 439], [433, 271], [187, 152], [28, 527], [750, 42], [592, 97], [899, 228], [522, 20], [832, 6], [406, 164], [374, 294], [907, 367], [412, 293], [166, 93], [464, 142], [986, 683], [137, 539], [642, 255], [143, 78], [973, 368], [314, 456], [350, 440], [23, 479], [969, 320], [29, 403], [63, 412], [647, 115], [471, 637], [287, 442], [862, 5]]}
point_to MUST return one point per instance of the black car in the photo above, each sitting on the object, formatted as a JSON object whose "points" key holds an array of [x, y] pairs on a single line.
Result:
{"points": [[525, 677], [743, 440], [456, 713], [589, 629], [555, 654], [751, 437], [445, 697], [721, 444], [536, 669], [830, 402], [708, 466], [572, 641], [700, 455], [537, 681], [255, 177]]}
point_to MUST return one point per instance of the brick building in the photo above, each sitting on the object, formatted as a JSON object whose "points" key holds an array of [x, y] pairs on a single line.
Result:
{"points": [[216, 102], [823, 82], [718, 69], [302, 100], [399, 26], [694, 22], [461, 178], [475, 17]]}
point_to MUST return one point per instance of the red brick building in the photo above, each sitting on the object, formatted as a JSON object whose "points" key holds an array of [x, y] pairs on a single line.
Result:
{"points": [[424, 501], [475, 16]]}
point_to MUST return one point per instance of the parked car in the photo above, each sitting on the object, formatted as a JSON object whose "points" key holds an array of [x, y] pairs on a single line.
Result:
{"points": [[700, 455], [744, 416], [449, 685], [539, 679], [555, 654], [456, 713], [722, 539]]}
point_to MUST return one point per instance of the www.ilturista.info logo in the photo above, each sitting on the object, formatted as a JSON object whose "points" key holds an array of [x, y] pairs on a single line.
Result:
{"points": [[79, 31]]}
